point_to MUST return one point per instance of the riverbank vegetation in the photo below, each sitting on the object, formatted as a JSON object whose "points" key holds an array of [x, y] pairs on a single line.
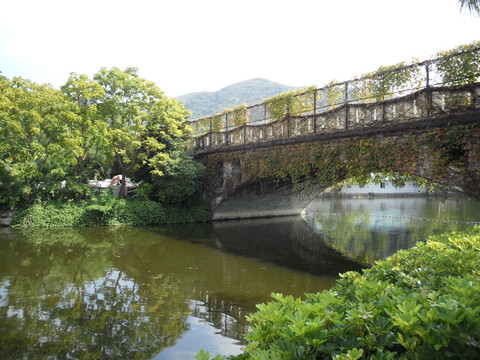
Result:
{"points": [[107, 210], [52, 142], [420, 303]]}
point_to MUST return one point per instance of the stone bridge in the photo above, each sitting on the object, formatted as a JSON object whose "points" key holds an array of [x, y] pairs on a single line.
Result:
{"points": [[273, 158]]}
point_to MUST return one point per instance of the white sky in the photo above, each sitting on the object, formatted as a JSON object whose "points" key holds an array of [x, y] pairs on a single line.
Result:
{"points": [[204, 45]]}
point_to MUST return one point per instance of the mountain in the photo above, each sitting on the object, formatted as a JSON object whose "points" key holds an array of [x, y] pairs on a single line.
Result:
{"points": [[245, 92]]}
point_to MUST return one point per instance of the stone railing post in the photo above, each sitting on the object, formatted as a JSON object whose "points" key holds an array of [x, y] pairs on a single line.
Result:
{"points": [[245, 126], [428, 93], [315, 111], [346, 105], [211, 131], [288, 121], [226, 129]]}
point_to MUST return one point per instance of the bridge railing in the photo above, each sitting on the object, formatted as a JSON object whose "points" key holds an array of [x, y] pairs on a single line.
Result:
{"points": [[403, 92]]}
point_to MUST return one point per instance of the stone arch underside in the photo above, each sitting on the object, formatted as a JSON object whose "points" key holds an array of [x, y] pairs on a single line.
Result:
{"points": [[234, 193]]}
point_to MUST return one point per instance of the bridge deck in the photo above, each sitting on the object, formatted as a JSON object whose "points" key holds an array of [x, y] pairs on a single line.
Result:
{"points": [[422, 110]]}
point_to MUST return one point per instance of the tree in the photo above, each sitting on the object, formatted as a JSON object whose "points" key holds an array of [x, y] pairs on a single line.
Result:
{"points": [[89, 129], [180, 181], [142, 121], [35, 142], [472, 5]]}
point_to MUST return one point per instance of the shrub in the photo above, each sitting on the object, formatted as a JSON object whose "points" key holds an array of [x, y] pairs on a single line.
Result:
{"points": [[51, 214], [421, 303], [109, 210], [181, 181]]}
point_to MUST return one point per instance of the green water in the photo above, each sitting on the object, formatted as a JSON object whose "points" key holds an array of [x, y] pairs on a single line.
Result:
{"points": [[165, 293]]}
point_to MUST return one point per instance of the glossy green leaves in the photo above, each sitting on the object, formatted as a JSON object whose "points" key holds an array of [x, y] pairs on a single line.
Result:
{"points": [[421, 303]]}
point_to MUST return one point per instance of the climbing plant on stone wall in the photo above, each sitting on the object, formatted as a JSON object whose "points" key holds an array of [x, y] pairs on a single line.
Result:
{"points": [[217, 122], [335, 95], [398, 157], [387, 82], [460, 65], [201, 126], [239, 115], [292, 102]]}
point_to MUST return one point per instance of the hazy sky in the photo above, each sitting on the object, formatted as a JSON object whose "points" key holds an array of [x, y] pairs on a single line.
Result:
{"points": [[204, 45]]}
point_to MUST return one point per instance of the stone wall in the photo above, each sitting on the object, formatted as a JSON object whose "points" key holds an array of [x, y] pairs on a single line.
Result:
{"points": [[423, 104], [6, 217], [233, 195]]}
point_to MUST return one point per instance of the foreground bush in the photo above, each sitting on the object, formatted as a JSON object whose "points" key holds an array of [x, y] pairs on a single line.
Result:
{"points": [[109, 210], [421, 303]]}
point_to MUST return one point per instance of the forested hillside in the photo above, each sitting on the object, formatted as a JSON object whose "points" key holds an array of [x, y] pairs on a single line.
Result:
{"points": [[250, 92]]}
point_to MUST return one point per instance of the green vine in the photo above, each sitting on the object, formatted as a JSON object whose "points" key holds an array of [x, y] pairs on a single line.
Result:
{"points": [[238, 114], [399, 158], [387, 81], [334, 94], [202, 126], [450, 146], [460, 65], [292, 102], [217, 122], [455, 67]]}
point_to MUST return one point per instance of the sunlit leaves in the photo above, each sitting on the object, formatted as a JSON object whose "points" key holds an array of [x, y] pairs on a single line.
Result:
{"points": [[88, 131], [419, 304], [293, 103], [142, 121], [35, 138], [387, 82], [460, 65], [47, 135]]}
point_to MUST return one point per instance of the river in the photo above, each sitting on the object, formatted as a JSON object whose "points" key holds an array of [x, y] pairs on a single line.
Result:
{"points": [[166, 293]]}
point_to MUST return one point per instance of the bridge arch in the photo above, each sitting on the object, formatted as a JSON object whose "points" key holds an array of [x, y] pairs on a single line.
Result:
{"points": [[282, 179], [421, 119]]}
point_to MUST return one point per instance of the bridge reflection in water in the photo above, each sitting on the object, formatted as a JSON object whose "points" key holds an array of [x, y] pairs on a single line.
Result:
{"points": [[286, 241], [369, 229], [168, 292]]}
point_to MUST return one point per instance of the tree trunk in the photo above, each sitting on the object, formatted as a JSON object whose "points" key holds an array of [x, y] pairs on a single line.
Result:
{"points": [[121, 195]]}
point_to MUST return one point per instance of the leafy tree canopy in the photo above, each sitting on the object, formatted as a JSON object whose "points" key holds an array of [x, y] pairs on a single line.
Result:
{"points": [[142, 121], [48, 135], [36, 143]]}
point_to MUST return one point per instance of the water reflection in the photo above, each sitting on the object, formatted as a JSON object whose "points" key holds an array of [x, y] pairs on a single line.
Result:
{"points": [[73, 302], [134, 293], [288, 242], [166, 293], [368, 229]]}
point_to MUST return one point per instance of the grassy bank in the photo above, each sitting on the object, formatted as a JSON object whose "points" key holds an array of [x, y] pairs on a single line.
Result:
{"points": [[421, 303], [109, 210]]}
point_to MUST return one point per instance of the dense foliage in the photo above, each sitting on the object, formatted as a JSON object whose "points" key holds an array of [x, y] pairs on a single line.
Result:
{"points": [[326, 164], [36, 145], [106, 209], [421, 303], [52, 142]]}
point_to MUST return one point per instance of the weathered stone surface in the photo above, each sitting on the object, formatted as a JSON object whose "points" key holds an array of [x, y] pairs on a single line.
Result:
{"points": [[6, 217], [266, 200], [234, 197]]}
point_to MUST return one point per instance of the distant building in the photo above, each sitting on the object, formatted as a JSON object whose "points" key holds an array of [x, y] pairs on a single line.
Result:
{"points": [[384, 187]]}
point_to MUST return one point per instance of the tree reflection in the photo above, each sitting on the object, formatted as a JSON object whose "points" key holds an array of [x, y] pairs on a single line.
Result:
{"points": [[130, 292], [203, 279], [71, 302]]}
